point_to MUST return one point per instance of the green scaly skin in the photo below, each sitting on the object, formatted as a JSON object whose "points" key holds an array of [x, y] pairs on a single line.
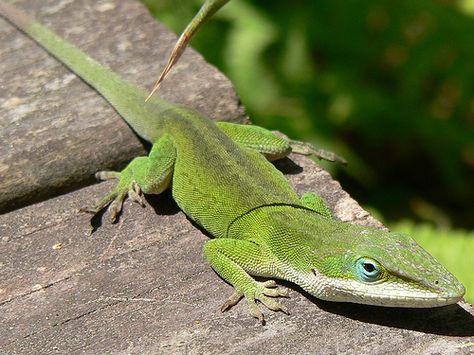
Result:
{"points": [[220, 177]]}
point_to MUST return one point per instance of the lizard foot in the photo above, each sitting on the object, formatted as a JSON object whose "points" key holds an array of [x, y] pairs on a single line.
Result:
{"points": [[305, 148], [126, 186], [263, 291]]}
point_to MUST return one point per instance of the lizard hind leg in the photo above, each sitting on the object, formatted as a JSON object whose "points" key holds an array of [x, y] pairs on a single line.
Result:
{"points": [[150, 175], [234, 260], [271, 145], [257, 138]]}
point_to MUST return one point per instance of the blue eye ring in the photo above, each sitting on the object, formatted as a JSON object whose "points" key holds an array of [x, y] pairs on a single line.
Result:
{"points": [[368, 270]]}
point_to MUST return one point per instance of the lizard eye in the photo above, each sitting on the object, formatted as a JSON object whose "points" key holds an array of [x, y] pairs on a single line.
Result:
{"points": [[368, 270]]}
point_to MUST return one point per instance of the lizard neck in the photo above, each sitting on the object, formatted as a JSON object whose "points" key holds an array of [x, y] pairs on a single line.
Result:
{"points": [[296, 238]]}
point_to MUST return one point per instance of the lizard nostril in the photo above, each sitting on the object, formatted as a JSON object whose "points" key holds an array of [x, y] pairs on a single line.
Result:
{"points": [[436, 282]]}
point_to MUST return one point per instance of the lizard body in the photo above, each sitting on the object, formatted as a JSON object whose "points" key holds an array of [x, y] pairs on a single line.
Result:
{"points": [[221, 178]]}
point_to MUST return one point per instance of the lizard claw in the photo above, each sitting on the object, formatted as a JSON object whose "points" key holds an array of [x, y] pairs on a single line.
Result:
{"points": [[116, 206], [135, 194], [270, 288], [263, 292], [107, 175], [305, 148], [256, 312], [99, 205], [125, 187], [232, 301]]}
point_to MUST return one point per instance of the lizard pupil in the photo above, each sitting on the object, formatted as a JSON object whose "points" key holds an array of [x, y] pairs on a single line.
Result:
{"points": [[369, 267]]}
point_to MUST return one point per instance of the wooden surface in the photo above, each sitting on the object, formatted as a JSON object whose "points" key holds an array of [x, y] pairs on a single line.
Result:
{"points": [[142, 285]]}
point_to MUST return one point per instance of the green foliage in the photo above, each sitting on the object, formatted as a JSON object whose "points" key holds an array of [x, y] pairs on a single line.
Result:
{"points": [[452, 248]]}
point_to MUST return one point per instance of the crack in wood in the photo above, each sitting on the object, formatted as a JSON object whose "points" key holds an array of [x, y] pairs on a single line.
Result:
{"points": [[25, 294]]}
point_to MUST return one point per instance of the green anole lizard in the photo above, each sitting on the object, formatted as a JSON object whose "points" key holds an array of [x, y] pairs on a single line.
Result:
{"points": [[220, 177]]}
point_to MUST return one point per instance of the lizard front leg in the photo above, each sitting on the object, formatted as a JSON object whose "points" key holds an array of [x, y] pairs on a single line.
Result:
{"points": [[271, 145], [150, 175], [234, 260]]}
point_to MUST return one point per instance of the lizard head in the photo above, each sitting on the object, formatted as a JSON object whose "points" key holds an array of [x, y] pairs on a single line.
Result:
{"points": [[372, 266]]}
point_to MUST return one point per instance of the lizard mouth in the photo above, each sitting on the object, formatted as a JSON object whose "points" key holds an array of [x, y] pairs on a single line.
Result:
{"points": [[387, 294], [425, 301], [392, 298]]}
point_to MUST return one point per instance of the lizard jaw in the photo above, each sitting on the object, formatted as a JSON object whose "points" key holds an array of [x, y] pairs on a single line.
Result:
{"points": [[387, 294]]}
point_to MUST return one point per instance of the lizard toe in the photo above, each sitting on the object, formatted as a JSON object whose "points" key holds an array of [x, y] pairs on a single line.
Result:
{"points": [[231, 301], [276, 292], [136, 195], [254, 310], [99, 205], [107, 175], [126, 187], [264, 294], [116, 206], [269, 283], [272, 304], [305, 148]]}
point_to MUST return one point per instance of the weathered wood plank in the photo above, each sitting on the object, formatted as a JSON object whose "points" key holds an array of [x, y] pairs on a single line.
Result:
{"points": [[143, 286], [55, 130]]}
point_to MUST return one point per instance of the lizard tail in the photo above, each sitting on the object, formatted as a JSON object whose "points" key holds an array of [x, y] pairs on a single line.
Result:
{"points": [[126, 98]]}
